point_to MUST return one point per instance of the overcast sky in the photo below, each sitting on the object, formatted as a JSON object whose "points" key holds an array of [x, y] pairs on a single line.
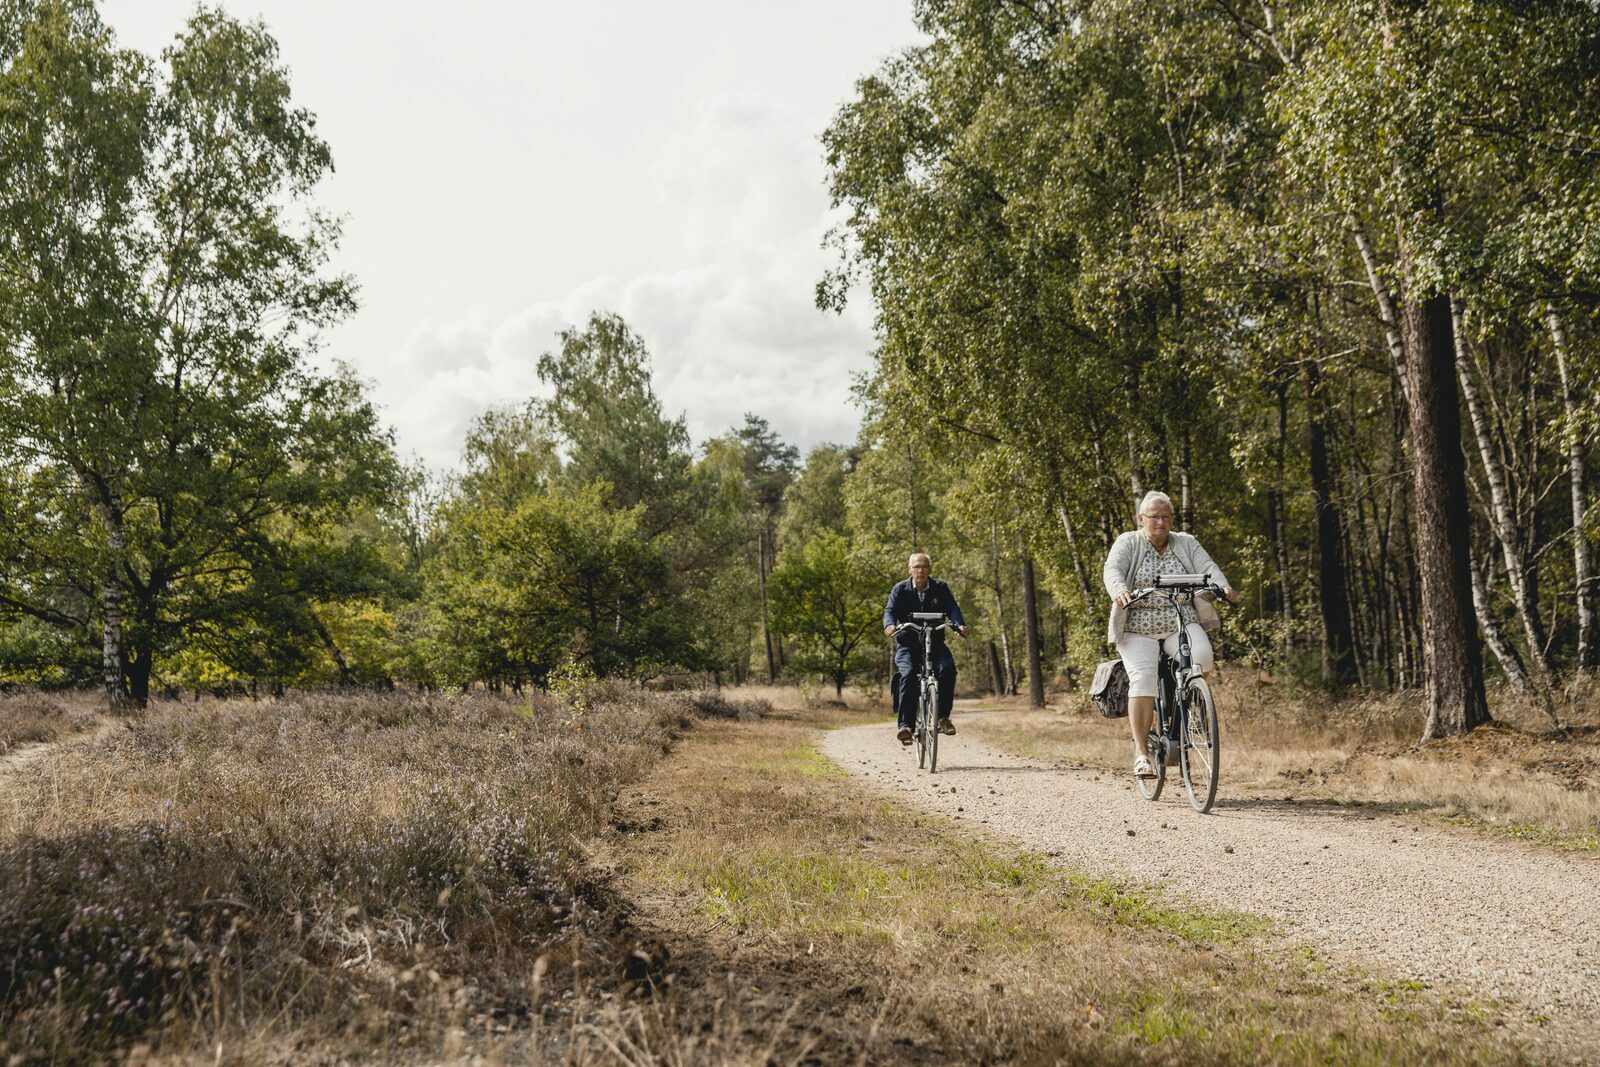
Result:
{"points": [[505, 168]]}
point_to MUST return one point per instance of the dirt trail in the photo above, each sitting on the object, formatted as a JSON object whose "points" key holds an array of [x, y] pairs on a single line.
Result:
{"points": [[14, 760], [1485, 919]]}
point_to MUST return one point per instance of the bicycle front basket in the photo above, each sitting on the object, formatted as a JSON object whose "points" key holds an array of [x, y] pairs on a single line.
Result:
{"points": [[1109, 690]]}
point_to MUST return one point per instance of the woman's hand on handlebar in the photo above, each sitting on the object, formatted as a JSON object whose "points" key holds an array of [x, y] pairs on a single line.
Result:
{"points": [[1124, 598], [1230, 594]]}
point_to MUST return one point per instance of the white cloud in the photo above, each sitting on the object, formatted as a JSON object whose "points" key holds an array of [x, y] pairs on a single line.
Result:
{"points": [[731, 329]]}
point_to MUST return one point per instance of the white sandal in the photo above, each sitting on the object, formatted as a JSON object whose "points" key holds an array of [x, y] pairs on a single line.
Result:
{"points": [[1142, 768]]}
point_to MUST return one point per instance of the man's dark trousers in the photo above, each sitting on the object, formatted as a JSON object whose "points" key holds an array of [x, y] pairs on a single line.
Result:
{"points": [[908, 660]]}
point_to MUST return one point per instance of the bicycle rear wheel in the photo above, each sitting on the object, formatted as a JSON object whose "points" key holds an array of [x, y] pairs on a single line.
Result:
{"points": [[1201, 746], [1151, 787]]}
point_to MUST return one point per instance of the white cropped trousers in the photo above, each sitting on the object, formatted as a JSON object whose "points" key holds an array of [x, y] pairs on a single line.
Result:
{"points": [[1141, 657]]}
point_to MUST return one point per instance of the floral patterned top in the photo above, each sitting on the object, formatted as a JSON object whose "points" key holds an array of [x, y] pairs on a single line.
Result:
{"points": [[1156, 616]]}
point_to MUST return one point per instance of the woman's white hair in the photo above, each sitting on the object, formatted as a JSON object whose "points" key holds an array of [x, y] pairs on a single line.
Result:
{"points": [[1156, 497]]}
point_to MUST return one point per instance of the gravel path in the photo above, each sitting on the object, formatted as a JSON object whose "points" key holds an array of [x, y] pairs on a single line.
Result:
{"points": [[1485, 918]]}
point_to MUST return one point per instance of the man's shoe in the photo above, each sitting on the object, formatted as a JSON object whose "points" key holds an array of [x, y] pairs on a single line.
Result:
{"points": [[904, 735], [946, 726]]}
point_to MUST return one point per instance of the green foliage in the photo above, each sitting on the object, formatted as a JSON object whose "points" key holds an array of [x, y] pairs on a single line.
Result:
{"points": [[563, 577], [1109, 248], [814, 502], [830, 599], [34, 653], [163, 282], [538, 561], [609, 419]]}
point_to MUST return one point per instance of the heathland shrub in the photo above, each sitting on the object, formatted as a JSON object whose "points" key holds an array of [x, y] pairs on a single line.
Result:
{"points": [[303, 858]]}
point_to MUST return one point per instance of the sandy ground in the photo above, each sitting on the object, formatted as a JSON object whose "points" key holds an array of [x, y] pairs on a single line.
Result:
{"points": [[1503, 922]]}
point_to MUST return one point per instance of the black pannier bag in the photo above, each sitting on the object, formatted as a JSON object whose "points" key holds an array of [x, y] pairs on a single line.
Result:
{"points": [[1109, 691]]}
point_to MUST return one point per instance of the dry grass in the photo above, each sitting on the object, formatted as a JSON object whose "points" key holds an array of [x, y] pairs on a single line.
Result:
{"points": [[320, 878], [30, 717], [412, 878], [1514, 777], [861, 931], [819, 697]]}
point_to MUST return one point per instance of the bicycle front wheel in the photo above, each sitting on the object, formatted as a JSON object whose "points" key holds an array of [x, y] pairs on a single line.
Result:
{"points": [[930, 726], [1201, 746], [920, 729]]}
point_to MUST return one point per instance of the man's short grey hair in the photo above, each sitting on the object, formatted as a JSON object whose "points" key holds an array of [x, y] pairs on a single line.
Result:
{"points": [[1156, 497], [918, 555]]}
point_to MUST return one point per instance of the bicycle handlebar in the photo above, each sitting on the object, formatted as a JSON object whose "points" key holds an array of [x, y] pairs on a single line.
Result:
{"points": [[926, 626], [1167, 589]]}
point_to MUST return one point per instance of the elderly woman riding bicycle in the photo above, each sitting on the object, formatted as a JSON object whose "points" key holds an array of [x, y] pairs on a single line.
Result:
{"points": [[1141, 632]]}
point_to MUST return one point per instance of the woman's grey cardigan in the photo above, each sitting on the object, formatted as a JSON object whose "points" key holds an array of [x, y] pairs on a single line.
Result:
{"points": [[1122, 564]]}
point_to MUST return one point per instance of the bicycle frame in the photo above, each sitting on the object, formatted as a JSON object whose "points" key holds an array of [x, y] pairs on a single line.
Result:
{"points": [[1172, 696], [925, 732]]}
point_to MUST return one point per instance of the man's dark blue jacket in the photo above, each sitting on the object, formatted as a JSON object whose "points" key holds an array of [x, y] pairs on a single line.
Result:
{"points": [[904, 600]]}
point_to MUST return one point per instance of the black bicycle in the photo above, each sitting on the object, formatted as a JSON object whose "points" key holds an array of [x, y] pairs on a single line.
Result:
{"points": [[925, 733], [1185, 732]]}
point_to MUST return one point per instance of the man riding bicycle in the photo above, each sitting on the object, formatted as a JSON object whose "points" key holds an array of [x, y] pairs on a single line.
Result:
{"points": [[922, 593]]}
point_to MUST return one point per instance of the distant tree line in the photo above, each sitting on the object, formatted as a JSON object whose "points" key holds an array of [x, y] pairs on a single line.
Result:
{"points": [[188, 504], [1325, 272]]}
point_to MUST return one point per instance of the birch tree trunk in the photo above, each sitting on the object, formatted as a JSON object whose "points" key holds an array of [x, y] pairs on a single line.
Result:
{"points": [[1505, 653], [1102, 478], [1130, 386], [1572, 441], [1386, 304], [1278, 522], [1008, 675], [1501, 521], [1079, 571], [1186, 481], [109, 509]]}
